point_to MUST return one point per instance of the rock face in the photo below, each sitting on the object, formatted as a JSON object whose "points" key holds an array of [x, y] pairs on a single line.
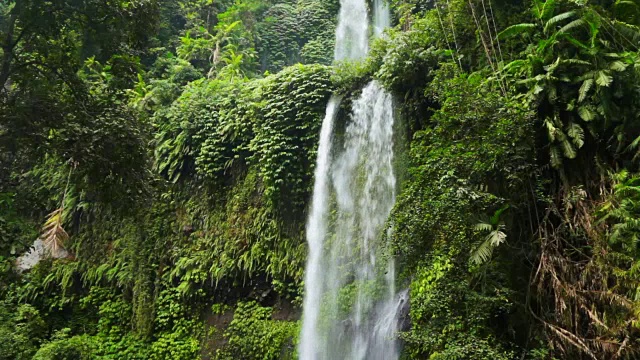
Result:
{"points": [[38, 252]]}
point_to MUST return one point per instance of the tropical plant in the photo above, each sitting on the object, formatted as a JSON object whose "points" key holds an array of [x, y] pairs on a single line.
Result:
{"points": [[495, 236], [576, 74]]}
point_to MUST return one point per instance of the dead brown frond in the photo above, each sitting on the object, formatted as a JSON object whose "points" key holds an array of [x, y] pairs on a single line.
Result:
{"points": [[53, 234]]}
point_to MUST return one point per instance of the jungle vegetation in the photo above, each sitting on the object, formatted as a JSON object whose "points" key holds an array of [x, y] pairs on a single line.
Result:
{"points": [[168, 146]]}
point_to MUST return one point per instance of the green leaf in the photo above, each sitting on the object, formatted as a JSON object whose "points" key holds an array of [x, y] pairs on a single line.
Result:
{"points": [[584, 89], [618, 66], [571, 25], [603, 78], [555, 156], [586, 113], [483, 226], [515, 30], [568, 150], [558, 18], [576, 133], [551, 130], [483, 252]]}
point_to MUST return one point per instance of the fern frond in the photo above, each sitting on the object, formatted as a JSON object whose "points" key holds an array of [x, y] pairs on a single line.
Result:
{"points": [[570, 26], [543, 9], [483, 226], [515, 30], [576, 133], [584, 89], [575, 62], [551, 129], [634, 144], [629, 33], [586, 113], [603, 78], [567, 149], [556, 157], [558, 18], [618, 66]]}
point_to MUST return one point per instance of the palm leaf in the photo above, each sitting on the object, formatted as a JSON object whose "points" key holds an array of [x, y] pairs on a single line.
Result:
{"points": [[483, 252], [53, 234]]}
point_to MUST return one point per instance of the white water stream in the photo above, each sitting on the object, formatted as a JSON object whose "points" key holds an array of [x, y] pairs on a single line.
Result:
{"points": [[351, 306]]}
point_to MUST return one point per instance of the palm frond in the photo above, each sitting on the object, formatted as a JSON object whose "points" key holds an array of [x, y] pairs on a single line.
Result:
{"points": [[483, 252], [53, 234]]}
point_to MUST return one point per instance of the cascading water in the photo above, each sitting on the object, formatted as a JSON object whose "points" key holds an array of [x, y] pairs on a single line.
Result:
{"points": [[352, 32], [351, 306]]}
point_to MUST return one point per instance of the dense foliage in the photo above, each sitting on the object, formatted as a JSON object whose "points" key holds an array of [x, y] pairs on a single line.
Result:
{"points": [[163, 153]]}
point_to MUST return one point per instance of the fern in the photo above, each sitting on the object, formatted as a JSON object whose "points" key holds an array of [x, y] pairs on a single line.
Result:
{"points": [[629, 33], [542, 9], [618, 66], [555, 156], [586, 113], [576, 133], [557, 19], [567, 149], [570, 26], [584, 89], [551, 130], [483, 226], [603, 78], [515, 30]]}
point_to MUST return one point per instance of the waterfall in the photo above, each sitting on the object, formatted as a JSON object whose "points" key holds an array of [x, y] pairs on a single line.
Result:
{"points": [[351, 305], [381, 17], [352, 32]]}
